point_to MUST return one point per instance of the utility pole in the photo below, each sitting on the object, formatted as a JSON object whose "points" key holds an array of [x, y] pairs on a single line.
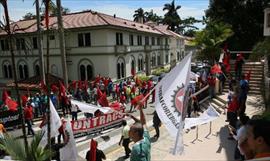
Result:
{"points": [[40, 45], [10, 41], [62, 41]]}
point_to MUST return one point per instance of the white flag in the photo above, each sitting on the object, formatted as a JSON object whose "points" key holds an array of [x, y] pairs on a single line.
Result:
{"points": [[170, 97], [90, 108], [209, 115], [55, 123], [69, 151]]}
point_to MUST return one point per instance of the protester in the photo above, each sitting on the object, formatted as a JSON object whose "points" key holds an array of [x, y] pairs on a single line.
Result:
{"points": [[55, 147], [244, 87], [211, 82], [74, 112], [156, 124], [125, 138], [258, 138], [141, 150], [238, 66], [232, 111], [94, 154], [28, 115]]}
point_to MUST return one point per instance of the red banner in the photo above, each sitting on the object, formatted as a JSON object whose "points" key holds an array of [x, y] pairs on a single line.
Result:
{"points": [[102, 122]]}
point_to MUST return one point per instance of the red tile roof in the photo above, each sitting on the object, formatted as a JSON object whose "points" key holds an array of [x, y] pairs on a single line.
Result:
{"points": [[88, 19]]}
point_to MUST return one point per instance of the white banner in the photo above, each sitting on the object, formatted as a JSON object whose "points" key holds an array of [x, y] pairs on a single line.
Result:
{"points": [[90, 108], [69, 151], [171, 94], [209, 115]]}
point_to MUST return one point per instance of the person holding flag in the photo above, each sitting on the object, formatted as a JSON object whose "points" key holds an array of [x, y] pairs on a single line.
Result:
{"points": [[94, 154], [138, 132]]}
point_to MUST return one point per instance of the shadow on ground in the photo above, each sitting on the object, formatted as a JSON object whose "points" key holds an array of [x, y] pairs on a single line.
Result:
{"points": [[226, 144]]}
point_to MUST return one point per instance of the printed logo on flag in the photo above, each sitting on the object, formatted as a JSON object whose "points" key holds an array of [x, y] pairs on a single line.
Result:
{"points": [[178, 99]]}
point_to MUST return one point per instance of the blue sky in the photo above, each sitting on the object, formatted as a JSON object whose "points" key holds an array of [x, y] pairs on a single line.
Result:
{"points": [[122, 8]]}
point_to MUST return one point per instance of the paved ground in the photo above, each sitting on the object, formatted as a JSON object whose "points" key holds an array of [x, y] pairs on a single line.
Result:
{"points": [[210, 145]]}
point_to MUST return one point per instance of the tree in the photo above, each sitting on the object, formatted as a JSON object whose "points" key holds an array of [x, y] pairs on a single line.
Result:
{"points": [[246, 18], [211, 38], [171, 18], [186, 27], [29, 16], [14, 147], [139, 15], [151, 16]]}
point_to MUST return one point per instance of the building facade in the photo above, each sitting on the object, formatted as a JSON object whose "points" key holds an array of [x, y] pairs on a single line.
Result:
{"points": [[96, 43]]}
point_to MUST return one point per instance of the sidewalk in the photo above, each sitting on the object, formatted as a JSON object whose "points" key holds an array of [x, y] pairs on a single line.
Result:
{"points": [[208, 146]]}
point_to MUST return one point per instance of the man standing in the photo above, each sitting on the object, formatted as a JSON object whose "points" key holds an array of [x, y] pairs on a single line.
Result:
{"points": [[141, 150], [125, 138], [156, 124], [28, 114]]}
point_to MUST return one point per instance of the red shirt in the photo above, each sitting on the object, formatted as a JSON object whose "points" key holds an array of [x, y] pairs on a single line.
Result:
{"points": [[234, 105], [211, 81], [28, 113]]}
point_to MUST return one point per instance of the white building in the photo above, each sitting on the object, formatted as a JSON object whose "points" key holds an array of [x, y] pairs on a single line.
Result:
{"points": [[96, 43]]}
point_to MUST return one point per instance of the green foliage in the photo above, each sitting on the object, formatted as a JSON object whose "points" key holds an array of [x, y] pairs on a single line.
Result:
{"points": [[139, 13], [15, 148], [29, 16], [160, 70], [171, 17], [151, 16], [246, 18], [211, 38], [143, 77], [261, 49]]}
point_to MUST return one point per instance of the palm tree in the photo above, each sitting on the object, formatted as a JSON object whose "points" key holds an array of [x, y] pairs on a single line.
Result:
{"points": [[211, 38], [171, 18], [14, 147], [11, 47], [151, 16], [139, 15]]}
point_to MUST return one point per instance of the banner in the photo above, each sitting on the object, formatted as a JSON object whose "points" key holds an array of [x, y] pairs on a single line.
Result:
{"points": [[100, 123], [209, 115], [10, 118], [90, 108], [171, 100]]}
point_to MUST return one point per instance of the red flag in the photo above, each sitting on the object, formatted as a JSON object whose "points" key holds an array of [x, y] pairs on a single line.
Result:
{"points": [[215, 69], [24, 100], [80, 85], [4, 95], [93, 150], [47, 13], [85, 85], [54, 88], [138, 81], [103, 101], [12, 105], [74, 85], [136, 99], [43, 87], [62, 89], [116, 106], [99, 93]]}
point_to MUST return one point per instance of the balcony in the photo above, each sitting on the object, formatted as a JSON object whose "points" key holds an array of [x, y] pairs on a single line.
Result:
{"points": [[147, 48], [165, 47], [122, 49]]}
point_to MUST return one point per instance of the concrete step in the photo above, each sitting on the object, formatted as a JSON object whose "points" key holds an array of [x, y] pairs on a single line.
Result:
{"points": [[216, 107], [222, 98], [218, 103], [250, 92], [251, 85]]}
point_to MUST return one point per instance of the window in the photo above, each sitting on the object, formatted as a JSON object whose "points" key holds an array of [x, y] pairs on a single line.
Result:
{"points": [[153, 41], [20, 44], [131, 42], [35, 44], [140, 63], [10, 71], [7, 70], [23, 71], [159, 59], [132, 65], [167, 59], [146, 40], [86, 70], [84, 39], [166, 41], [139, 40], [158, 41], [4, 45], [119, 38], [37, 70], [51, 37], [153, 60], [82, 72], [268, 19], [178, 56], [120, 68]]}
